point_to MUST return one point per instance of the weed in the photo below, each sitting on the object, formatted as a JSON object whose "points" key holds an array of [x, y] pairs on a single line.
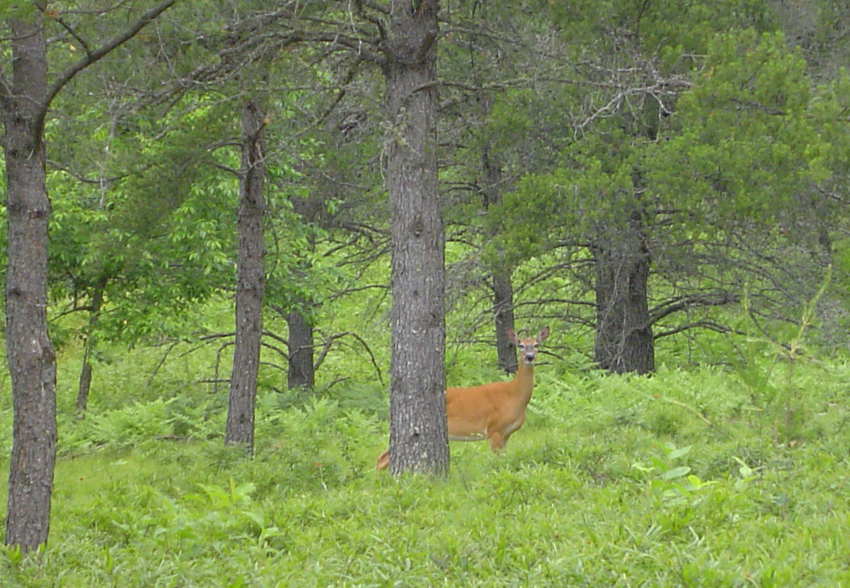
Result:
{"points": [[668, 483]]}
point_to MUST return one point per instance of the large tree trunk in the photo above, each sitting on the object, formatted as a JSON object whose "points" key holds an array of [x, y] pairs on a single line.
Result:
{"points": [[250, 282], [300, 344], [30, 354], [418, 429], [32, 363], [624, 340], [500, 273]]}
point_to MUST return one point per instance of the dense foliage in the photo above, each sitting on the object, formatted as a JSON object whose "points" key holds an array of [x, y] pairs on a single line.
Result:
{"points": [[664, 184]]}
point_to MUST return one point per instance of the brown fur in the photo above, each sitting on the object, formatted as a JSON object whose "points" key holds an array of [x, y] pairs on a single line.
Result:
{"points": [[491, 411]]}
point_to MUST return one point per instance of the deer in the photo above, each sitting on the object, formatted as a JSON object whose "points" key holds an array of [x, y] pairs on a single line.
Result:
{"points": [[491, 411]]}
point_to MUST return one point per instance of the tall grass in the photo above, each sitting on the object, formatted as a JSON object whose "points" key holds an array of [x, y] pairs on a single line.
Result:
{"points": [[686, 478]]}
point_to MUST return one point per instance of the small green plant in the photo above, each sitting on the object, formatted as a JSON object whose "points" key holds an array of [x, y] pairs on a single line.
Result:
{"points": [[667, 482], [779, 398], [747, 474], [227, 510], [12, 555], [792, 405]]}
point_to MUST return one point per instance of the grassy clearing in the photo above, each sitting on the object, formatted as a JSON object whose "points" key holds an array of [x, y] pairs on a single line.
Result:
{"points": [[694, 478]]}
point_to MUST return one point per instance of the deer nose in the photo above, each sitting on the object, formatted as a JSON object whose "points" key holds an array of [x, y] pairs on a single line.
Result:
{"points": [[529, 357]]}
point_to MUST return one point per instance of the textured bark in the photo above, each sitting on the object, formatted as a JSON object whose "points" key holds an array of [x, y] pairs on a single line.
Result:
{"points": [[250, 282], [624, 341], [30, 353], [300, 344], [24, 102], [503, 311], [500, 273], [418, 429], [86, 371]]}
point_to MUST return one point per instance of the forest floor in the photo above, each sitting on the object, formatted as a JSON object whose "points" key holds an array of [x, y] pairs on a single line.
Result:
{"points": [[706, 477]]}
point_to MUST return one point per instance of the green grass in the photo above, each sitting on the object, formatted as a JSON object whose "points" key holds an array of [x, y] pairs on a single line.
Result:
{"points": [[688, 478]]}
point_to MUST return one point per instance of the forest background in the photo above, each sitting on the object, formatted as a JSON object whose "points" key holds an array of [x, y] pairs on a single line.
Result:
{"points": [[663, 183]]}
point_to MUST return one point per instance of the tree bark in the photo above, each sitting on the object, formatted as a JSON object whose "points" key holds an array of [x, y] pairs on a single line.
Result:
{"points": [[250, 281], [86, 371], [503, 312], [24, 102], [32, 362], [624, 341], [418, 428], [500, 273], [301, 372]]}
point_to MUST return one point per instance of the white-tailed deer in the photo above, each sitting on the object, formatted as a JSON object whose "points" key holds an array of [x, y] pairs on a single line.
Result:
{"points": [[491, 411]]}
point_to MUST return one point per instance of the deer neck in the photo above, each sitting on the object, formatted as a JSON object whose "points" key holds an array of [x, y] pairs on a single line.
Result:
{"points": [[524, 381]]}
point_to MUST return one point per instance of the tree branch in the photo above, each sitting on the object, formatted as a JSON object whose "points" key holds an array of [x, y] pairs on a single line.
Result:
{"points": [[329, 341], [693, 300], [70, 30], [5, 91], [700, 324], [382, 8], [96, 55]]}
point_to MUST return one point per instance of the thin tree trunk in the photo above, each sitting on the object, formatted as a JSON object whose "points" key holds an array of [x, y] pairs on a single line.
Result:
{"points": [[503, 289], [624, 341], [86, 371], [250, 282], [503, 311], [32, 362], [418, 429], [300, 344]]}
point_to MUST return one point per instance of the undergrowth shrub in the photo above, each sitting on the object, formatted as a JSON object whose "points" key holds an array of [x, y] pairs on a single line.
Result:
{"points": [[685, 478], [581, 497], [318, 444], [140, 424], [319, 440], [366, 397], [670, 404], [134, 424]]}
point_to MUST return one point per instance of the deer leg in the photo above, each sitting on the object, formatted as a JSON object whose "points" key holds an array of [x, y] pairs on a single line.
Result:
{"points": [[497, 442], [384, 460]]}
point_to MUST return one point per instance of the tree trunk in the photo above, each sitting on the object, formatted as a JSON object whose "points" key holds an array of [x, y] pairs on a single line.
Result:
{"points": [[300, 344], [624, 340], [418, 429], [500, 273], [86, 371], [32, 363], [250, 281], [503, 310]]}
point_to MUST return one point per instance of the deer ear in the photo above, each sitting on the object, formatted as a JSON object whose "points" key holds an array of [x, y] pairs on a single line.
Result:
{"points": [[512, 336], [543, 334]]}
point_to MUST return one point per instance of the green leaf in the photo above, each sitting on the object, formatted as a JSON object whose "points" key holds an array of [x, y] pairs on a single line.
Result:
{"points": [[676, 472], [677, 453]]}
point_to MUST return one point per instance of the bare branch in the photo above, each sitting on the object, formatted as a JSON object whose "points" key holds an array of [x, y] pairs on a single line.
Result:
{"points": [[71, 32], [96, 55], [694, 300], [700, 324], [329, 341], [382, 8], [86, 180], [5, 91]]}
